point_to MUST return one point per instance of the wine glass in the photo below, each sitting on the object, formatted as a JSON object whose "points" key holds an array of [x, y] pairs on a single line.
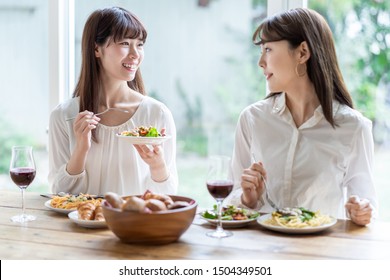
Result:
{"points": [[22, 171], [219, 186]]}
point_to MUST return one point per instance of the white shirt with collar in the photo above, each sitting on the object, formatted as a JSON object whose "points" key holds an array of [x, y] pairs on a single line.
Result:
{"points": [[315, 165]]}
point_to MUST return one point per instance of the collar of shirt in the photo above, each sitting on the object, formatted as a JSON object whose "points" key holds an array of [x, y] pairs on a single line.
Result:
{"points": [[279, 107]]}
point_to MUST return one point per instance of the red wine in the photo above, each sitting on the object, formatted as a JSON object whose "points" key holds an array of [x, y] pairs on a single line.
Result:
{"points": [[220, 188], [22, 176]]}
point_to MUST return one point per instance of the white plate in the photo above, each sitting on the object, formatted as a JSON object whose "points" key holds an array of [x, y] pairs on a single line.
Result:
{"points": [[59, 210], [261, 220], [144, 140], [74, 216], [230, 223]]}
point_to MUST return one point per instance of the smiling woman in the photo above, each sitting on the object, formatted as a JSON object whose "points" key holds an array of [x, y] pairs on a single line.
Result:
{"points": [[112, 52], [125, 44]]}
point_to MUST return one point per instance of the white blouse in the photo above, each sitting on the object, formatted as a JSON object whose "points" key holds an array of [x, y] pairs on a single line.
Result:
{"points": [[112, 164], [314, 166]]}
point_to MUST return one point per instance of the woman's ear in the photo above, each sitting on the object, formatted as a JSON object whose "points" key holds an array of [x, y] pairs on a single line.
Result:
{"points": [[97, 51], [304, 52]]}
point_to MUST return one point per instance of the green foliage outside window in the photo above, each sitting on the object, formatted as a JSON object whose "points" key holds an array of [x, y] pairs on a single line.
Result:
{"points": [[362, 36], [192, 137]]}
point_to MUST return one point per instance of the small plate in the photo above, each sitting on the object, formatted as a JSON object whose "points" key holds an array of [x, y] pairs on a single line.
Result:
{"points": [[230, 223], [144, 140], [261, 220], [59, 210], [74, 216]]}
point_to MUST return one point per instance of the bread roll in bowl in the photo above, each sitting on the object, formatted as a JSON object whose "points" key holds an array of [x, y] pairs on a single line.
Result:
{"points": [[178, 204], [160, 227], [163, 197], [155, 205], [137, 204], [114, 199]]}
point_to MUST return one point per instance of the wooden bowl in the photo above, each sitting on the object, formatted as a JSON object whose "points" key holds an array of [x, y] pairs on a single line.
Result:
{"points": [[154, 228]]}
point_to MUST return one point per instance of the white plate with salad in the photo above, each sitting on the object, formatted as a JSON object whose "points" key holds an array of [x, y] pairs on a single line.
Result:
{"points": [[144, 135], [232, 216], [144, 140]]}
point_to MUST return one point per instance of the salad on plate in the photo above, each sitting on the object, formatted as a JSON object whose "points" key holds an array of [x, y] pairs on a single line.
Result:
{"points": [[232, 216], [143, 131]]}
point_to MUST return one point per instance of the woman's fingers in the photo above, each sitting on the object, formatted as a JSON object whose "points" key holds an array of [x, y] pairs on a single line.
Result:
{"points": [[252, 183], [153, 157], [258, 166], [255, 174], [85, 122], [144, 150], [251, 177], [360, 210]]}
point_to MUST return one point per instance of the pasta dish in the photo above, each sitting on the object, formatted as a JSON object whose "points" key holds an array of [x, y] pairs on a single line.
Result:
{"points": [[71, 201], [297, 218]]}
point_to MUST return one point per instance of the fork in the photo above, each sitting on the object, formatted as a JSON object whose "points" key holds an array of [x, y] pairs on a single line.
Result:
{"points": [[105, 111], [273, 205]]}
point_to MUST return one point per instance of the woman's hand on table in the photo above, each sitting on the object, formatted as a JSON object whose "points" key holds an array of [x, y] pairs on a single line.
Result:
{"points": [[359, 210]]}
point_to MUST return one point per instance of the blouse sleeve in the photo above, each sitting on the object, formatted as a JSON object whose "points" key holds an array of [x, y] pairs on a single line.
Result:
{"points": [[59, 154], [241, 158], [359, 177], [170, 185]]}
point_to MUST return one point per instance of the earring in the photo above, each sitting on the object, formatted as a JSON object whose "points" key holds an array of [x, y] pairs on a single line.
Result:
{"points": [[301, 72]]}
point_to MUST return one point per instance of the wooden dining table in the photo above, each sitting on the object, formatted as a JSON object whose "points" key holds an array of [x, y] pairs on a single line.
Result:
{"points": [[54, 236]]}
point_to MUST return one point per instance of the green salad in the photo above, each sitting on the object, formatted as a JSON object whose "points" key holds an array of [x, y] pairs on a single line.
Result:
{"points": [[143, 131], [231, 213], [289, 213]]}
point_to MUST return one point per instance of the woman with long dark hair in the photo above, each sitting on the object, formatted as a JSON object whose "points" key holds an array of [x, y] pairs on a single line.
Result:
{"points": [[305, 138], [85, 156]]}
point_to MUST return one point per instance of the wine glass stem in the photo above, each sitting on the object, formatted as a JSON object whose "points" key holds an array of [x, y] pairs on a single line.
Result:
{"points": [[219, 209], [23, 207]]}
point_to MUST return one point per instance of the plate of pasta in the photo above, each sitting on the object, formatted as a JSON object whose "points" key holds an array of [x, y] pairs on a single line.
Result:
{"points": [[69, 202], [74, 217], [296, 221], [58, 210]]}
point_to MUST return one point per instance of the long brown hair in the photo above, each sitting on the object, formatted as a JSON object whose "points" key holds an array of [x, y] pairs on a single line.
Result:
{"points": [[299, 25], [113, 23]]}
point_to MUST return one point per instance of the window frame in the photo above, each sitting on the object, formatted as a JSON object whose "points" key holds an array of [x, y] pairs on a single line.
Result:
{"points": [[61, 51]]}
